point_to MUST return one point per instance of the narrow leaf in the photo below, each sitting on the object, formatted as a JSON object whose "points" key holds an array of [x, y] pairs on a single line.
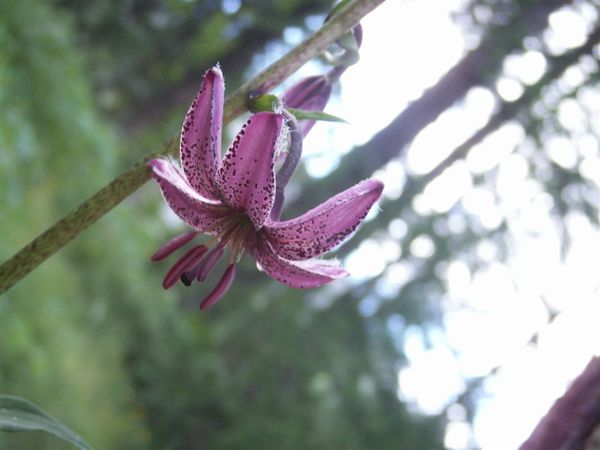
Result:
{"points": [[314, 115], [18, 414]]}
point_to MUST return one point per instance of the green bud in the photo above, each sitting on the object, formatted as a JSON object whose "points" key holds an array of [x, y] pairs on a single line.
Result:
{"points": [[257, 102]]}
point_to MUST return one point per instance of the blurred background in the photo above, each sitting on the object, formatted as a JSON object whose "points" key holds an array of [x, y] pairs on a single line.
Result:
{"points": [[473, 300]]}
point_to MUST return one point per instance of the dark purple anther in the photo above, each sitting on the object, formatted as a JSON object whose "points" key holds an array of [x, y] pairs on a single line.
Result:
{"points": [[187, 277], [220, 289]]}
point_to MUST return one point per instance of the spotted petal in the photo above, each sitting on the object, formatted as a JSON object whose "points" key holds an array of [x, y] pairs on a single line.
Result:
{"points": [[323, 227], [297, 274], [200, 146], [246, 176], [200, 213]]}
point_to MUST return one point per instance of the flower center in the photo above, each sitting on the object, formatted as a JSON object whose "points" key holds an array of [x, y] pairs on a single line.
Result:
{"points": [[234, 232]]}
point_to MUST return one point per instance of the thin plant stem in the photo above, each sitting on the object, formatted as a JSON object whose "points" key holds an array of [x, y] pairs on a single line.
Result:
{"points": [[289, 166], [92, 209]]}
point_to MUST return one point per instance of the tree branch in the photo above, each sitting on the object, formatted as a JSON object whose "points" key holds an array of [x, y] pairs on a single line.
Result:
{"points": [[572, 419], [556, 67], [507, 111], [63, 231], [475, 69]]}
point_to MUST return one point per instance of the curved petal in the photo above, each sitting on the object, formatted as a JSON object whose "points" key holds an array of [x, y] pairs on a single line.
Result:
{"points": [[200, 213], [323, 227], [200, 146], [297, 274], [246, 176]]}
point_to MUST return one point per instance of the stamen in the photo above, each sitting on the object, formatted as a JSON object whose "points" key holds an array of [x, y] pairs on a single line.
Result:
{"points": [[172, 245], [238, 245], [236, 250], [217, 224], [209, 262], [190, 259], [229, 234], [220, 289]]}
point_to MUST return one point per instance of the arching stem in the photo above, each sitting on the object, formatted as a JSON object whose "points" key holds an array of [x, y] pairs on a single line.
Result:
{"points": [[289, 166]]}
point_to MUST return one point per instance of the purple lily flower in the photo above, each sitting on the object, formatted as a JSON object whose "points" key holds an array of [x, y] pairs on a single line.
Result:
{"points": [[231, 199]]}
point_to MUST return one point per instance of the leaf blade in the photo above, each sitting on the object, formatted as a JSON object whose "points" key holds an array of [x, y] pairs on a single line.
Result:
{"points": [[300, 114], [19, 414]]}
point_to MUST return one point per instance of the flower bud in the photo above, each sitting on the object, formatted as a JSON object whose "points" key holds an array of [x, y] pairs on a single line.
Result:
{"points": [[257, 102], [309, 94]]}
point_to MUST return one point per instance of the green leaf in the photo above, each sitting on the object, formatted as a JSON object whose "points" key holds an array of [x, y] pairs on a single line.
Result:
{"points": [[314, 115], [18, 414]]}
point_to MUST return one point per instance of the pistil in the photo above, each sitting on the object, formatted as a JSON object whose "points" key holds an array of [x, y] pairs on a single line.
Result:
{"points": [[220, 289]]}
